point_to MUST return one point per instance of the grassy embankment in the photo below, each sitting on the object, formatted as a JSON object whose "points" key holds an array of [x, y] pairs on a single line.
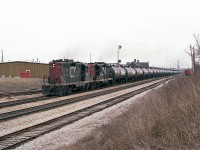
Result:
{"points": [[168, 118]]}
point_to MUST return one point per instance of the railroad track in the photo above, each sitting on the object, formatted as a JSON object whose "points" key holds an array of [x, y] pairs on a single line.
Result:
{"points": [[52, 105], [17, 138], [41, 98], [23, 101]]}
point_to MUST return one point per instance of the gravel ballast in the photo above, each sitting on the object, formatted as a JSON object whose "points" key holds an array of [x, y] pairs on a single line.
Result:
{"points": [[64, 137], [26, 121]]}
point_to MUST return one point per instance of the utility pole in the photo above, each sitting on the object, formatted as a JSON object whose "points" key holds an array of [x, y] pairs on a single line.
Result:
{"points": [[178, 65], [90, 58], [167, 59], [194, 64], [2, 55], [192, 54]]}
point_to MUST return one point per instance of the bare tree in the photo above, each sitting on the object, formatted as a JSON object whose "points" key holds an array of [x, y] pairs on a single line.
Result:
{"points": [[195, 53], [197, 48]]}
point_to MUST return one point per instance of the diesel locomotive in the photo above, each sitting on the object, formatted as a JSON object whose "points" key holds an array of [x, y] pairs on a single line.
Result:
{"points": [[66, 76]]}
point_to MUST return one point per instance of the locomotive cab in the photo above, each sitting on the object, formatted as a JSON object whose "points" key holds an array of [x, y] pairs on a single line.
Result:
{"points": [[55, 72]]}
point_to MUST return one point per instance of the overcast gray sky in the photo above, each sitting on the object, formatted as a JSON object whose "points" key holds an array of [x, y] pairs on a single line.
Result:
{"points": [[157, 31]]}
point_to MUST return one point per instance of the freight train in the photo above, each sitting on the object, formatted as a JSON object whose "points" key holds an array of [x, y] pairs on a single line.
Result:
{"points": [[187, 72], [66, 76]]}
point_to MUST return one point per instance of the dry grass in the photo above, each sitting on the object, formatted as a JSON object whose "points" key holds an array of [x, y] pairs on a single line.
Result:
{"points": [[14, 85], [168, 118]]}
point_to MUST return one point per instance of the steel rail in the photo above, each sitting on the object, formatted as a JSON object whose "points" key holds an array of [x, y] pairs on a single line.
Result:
{"points": [[41, 98], [23, 101], [52, 105]]}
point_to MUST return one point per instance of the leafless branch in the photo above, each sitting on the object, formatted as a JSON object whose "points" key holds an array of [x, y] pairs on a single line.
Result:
{"points": [[197, 40], [188, 53]]}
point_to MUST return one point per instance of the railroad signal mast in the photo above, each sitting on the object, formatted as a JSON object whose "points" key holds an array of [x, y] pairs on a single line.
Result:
{"points": [[118, 60]]}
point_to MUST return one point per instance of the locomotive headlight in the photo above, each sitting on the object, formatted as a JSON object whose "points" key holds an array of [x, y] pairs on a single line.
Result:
{"points": [[53, 65]]}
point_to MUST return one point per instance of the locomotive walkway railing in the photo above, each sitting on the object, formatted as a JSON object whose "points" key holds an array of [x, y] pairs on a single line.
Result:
{"points": [[63, 80]]}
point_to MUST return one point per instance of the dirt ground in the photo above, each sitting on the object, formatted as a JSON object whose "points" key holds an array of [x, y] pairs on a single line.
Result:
{"points": [[15, 85]]}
